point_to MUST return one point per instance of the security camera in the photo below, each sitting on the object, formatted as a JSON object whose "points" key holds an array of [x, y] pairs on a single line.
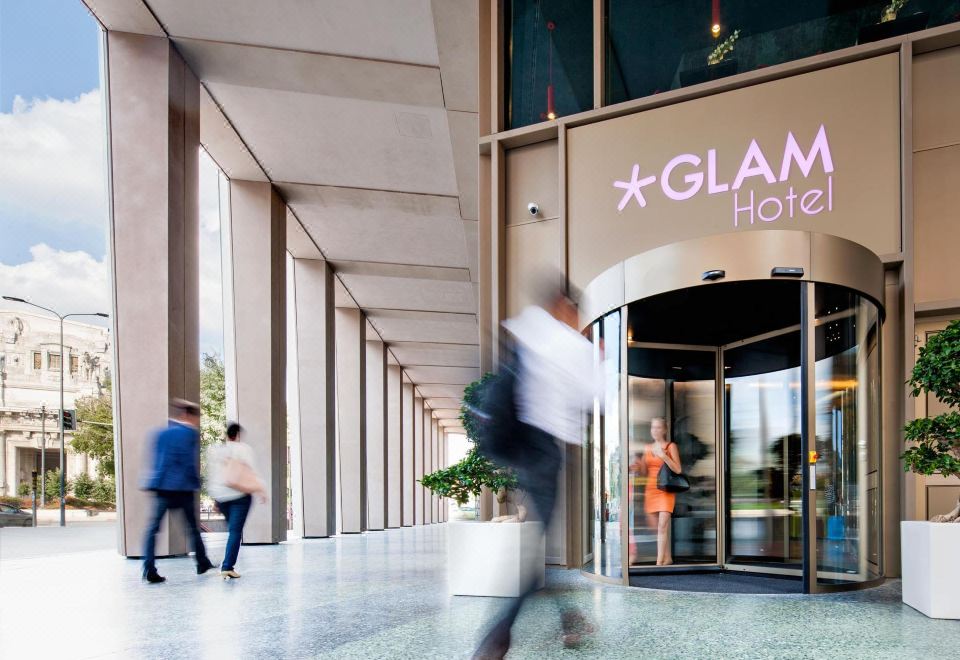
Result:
{"points": [[533, 208]]}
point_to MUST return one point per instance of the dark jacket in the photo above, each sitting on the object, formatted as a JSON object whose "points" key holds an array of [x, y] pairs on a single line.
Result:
{"points": [[175, 463]]}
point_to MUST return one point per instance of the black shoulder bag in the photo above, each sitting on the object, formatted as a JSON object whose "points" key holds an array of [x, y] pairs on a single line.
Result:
{"points": [[670, 481]]}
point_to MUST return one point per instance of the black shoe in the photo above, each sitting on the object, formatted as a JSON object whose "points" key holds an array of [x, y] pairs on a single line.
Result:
{"points": [[153, 577], [204, 566]]}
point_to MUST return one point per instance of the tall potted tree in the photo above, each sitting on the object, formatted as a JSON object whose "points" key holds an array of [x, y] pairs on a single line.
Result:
{"points": [[485, 558], [931, 574]]}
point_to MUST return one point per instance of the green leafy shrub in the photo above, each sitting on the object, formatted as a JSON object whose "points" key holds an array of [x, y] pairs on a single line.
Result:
{"points": [[23, 490], [12, 501], [83, 486], [53, 484], [105, 490], [936, 440]]}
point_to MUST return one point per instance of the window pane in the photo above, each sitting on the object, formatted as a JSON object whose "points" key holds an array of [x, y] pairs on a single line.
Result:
{"points": [[37, 361], [655, 47], [53, 361], [549, 59]]}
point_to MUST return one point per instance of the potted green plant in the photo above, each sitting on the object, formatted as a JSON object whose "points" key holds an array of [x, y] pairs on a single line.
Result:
{"points": [[929, 549], [486, 558]]}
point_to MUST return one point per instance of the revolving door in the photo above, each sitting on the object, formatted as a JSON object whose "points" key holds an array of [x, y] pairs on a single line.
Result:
{"points": [[768, 389]]}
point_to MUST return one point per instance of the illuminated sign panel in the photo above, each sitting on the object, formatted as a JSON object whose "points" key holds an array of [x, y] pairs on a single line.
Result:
{"points": [[816, 152]]}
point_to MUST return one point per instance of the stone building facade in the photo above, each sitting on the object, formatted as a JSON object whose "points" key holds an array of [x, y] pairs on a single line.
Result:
{"points": [[30, 384]]}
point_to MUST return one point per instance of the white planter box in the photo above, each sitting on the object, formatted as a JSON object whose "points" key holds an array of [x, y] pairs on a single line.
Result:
{"points": [[929, 555], [494, 559]]}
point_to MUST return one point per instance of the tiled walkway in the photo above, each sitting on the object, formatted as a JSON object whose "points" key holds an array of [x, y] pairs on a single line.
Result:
{"points": [[383, 595]]}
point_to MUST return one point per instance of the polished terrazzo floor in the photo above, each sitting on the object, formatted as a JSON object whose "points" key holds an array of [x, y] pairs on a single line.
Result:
{"points": [[383, 595]]}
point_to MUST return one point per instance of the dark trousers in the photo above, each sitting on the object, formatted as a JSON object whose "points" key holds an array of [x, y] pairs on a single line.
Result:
{"points": [[537, 463], [169, 500], [235, 511]]}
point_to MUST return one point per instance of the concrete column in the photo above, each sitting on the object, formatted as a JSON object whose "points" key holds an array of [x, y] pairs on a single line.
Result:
{"points": [[435, 435], [154, 137], [314, 483], [255, 337], [409, 473], [418, 448], [351, 418], [444, 462], [376, 386], [394, 446], [431, 429]]}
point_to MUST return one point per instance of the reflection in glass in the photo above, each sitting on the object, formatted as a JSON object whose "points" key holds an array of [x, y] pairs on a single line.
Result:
{"points": [[762, 392], [612, 485], [848, 436], [678, 385], [654, 47], [549, 59], [603, 455]]}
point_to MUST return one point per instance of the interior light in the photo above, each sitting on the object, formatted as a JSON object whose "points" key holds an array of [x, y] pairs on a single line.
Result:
{"points": [[715, 30], [551, 116]]}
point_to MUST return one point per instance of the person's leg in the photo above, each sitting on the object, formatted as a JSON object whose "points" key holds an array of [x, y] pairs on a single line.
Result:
{"points": [[664, 553], [537, 469], [239, 509], [160, 503], [186, 503], [652, 526]]}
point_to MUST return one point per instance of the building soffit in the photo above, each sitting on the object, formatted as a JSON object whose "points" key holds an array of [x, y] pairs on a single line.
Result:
{"points": [[363, 113]]}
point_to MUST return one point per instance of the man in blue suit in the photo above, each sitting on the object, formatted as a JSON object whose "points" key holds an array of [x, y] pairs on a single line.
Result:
{"points": [[174, 476]]}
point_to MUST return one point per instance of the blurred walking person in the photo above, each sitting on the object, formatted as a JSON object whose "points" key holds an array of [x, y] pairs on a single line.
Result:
{"points": [[232, 485], [544, 386], [174, 477]]}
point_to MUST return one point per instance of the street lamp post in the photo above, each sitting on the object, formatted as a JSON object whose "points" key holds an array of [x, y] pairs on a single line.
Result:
{"points": [[63, 462]]}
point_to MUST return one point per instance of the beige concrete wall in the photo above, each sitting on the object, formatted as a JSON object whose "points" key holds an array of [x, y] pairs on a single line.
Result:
{"points": [[154, 125], [936, 163], [315, 360], [256, 365], [351, 418]]}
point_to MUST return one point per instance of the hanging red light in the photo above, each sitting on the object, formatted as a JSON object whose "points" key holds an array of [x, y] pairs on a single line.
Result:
{"points": [[551, 109], [715, 22]]}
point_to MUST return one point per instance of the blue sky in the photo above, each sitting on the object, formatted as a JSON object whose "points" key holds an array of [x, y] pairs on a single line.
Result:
{"points": [[47, 48], [53, 207]]}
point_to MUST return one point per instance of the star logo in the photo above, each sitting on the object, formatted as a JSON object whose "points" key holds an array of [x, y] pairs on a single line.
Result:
{"points": [[632, 188]]}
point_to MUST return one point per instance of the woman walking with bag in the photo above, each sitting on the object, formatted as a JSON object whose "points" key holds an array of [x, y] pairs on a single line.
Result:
{"points": [[233, 483], [659, 503]]}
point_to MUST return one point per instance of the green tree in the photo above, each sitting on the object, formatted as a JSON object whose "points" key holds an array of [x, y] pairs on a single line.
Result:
{"points": [[104, 490], [94, 434], [936, 440], [213, 406], [470, 475]]}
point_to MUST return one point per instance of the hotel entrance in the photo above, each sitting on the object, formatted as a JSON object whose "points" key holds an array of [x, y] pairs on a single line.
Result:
{"points": [[753, 360]]}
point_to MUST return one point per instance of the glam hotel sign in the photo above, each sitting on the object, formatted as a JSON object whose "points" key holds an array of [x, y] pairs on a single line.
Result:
{"points": [[688, 175]]}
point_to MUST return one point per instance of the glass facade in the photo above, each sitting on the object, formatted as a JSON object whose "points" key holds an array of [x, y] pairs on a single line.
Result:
{"points": [[549, 59], [653, 47]]}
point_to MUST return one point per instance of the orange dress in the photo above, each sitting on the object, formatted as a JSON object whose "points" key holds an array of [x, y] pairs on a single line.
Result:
{"points": [[656, 500]]}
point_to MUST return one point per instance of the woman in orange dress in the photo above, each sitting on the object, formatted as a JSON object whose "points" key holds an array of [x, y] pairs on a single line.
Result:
{"points": [[658, 504]]}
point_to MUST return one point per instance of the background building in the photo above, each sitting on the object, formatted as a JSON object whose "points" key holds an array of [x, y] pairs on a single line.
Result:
{"points": [[30, 378]]}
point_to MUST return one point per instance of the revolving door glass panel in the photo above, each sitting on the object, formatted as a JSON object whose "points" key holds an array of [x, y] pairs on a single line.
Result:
{"points": [[847, 373], [603, 455], [672, 395], [764, 502]]}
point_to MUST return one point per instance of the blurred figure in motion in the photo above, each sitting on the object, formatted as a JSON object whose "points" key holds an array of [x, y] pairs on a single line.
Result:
{"points": [[233, 483], [174, 477], [532, 407], [658, 504]]}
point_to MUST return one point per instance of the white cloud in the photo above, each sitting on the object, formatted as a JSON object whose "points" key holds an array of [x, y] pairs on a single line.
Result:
{"points": [[53, 166], [65, 281]]}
